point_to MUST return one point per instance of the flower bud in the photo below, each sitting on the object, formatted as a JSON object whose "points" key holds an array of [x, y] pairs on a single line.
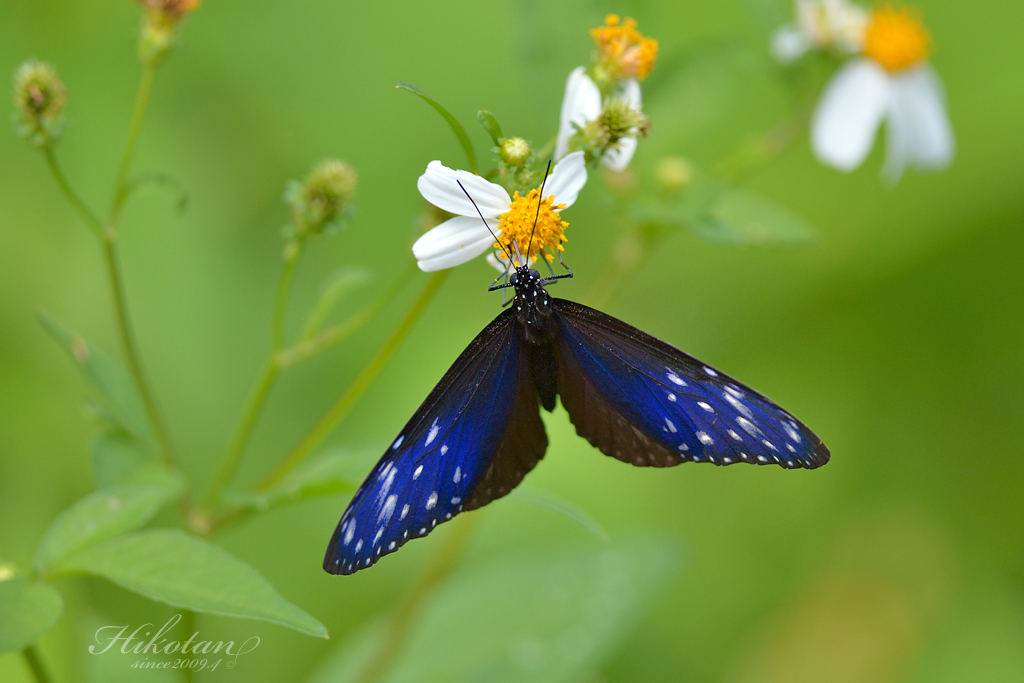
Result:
{"points": [[39, 98], [515, 151], [673, 175], [321, 203], [618, 120], [160, 27]]}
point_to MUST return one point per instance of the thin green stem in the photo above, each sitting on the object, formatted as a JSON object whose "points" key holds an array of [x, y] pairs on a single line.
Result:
{"points": [[83, 211], [258, 397], [124, 328], [336, 333], [138, 116], [359, 385], [35, 663], [397, 632]]}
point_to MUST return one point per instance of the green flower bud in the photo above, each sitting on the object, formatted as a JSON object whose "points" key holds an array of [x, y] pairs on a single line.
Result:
{"points": [[515, 151], [673, 174], [620, 121], [39, 98], [321, 203]]}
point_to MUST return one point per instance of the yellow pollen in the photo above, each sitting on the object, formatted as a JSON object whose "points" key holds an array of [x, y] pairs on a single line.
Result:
{"points": [[624, 48], [517, 226], [896, 38]]}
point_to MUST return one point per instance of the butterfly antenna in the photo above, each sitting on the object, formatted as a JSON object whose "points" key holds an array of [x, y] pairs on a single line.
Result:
{"points": [[507, 255], [540, 198]]}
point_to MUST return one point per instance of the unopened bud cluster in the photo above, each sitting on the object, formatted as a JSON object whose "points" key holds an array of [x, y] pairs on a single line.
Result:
{"points": [[617, 121], [39, 97], [321, 203]]}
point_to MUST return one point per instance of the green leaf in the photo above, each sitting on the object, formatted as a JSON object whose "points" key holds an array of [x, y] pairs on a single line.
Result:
{"points": [[106, 375], [562, 615], [456, 127], [102, 515], [491, 125], [119, 458], [740, 216], [28, 609], [185, 571], [553, 503], [339, 284], [323, 476]]}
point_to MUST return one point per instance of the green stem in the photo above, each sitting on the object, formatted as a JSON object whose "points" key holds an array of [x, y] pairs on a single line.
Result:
{"points": [[258, 396], [400, 626], [35, 662], [360, 384], [77, 204], [138, 116], [124, 328], [332, 335]]}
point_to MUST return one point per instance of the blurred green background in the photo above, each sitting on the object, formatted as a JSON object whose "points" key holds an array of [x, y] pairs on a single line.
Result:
{"points": [[897, 336]]}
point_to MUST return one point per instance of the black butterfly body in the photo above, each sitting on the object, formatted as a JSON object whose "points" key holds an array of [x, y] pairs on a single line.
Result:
{"points": [[479, 431]]}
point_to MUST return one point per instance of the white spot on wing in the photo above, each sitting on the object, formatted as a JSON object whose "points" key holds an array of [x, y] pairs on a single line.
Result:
{"points": [[705, 439], [405, 511], [380, 532], [674, 378], [748, 426], [432, 500], [671, 397], [359, 545], [398, 443], [670, 425], [432, 434], [710, 372], [456, 500], [444, 449], [387, 509], [705, 406], [793, 434], [739, 405], [350, 532], [458, 475], [417, 472], [735, 435]]}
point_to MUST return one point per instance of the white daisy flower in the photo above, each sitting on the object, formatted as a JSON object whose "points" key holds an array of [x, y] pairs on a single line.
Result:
{"points": [[892, 82], [821, 24], [511, 219], [582, 104]]}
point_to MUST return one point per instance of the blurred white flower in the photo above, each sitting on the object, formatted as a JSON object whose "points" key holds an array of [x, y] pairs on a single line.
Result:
{"points": [[821, 24], [582, 104], [892, 82], [510, 219]]}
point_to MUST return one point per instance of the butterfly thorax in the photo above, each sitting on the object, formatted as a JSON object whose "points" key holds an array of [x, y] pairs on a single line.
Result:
{"points": [[532, 306]]}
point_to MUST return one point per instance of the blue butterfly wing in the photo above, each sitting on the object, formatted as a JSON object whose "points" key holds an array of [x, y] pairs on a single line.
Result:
{"points": [[647, 403], [472, 440]]}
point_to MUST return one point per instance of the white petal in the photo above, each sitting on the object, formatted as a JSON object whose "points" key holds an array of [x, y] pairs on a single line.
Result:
{"points": [[849, 113], [439, 185], [582, 103], [452, 243], [789, 44], [919, 132], [619, 157], [629, 90], [567, 179]]}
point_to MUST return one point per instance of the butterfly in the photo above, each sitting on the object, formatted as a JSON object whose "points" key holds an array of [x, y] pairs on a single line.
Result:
{"points": [[479, 432]]}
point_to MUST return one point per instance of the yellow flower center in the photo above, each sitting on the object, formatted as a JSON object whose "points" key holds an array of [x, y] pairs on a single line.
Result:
{"points": [[896, 38], [517, 227], [623, 49]]}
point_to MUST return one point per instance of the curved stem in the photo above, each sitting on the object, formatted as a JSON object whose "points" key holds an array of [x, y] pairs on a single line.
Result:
{"points": [[360, 384], [138, 116], [77, 204], [124, 328], [35, 663], [258, 396]]}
